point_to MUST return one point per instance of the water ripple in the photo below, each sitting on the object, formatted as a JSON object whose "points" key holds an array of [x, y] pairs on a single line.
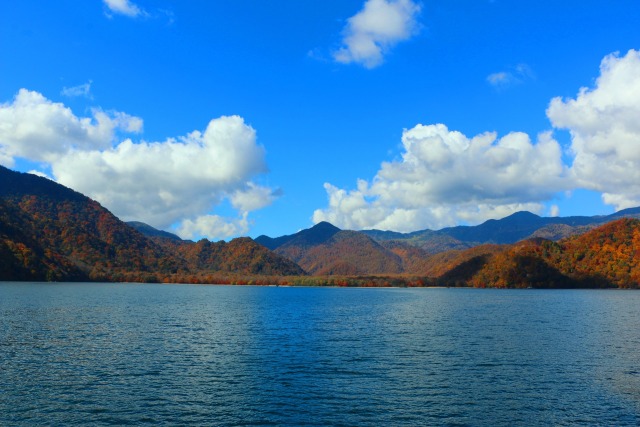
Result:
{"points": [[105, 354]]}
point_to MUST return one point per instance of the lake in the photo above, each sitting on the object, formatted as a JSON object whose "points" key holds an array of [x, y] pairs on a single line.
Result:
{"points": [[135, 354]]}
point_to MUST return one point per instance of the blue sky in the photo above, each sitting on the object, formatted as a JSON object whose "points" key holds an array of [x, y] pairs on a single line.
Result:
{"points": [[220, 119]]}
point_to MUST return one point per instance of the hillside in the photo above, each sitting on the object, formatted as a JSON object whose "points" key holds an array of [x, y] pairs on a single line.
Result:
{"points": [[607, 256], [85, 240], [51, 233], [239, 256]]}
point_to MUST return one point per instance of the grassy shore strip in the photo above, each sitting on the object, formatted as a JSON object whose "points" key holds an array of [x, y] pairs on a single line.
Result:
{"points": [[260, 280]]}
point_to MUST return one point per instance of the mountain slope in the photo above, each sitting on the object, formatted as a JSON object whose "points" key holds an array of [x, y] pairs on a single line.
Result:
{"points": [[50, 232], [607, 256], [21, 255], [239, 256], [61, 223]]}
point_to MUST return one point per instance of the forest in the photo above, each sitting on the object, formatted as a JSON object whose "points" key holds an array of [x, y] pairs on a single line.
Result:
{"points": [[51, 233]]}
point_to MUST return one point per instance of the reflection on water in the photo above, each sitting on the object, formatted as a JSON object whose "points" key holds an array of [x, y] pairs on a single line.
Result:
{"points": [[217, 355]]}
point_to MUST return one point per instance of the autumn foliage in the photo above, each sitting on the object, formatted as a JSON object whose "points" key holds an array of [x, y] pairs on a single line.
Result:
{"points": [[607, 256], [51, 233]]}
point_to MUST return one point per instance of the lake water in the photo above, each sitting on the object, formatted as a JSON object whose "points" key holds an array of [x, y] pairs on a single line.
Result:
{"points": [[124, 354]]}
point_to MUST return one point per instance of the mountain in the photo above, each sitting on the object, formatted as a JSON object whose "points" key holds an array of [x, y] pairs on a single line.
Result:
{"points": [[77, 232], [511, 229], [326, 250], [315, 235], [49, 232], [606, 256]]}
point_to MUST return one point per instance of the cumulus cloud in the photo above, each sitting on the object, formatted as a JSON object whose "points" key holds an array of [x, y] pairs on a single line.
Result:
{"points": [[164, 182], [83, 90], [380, 25], [124, 7], [605, 130], [38, 129], [177, 182], [445, 178]]}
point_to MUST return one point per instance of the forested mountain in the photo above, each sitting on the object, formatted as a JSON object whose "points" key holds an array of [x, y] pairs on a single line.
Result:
{"points": [[326, 250], [50, 232], [607, 256], [241, 255]]}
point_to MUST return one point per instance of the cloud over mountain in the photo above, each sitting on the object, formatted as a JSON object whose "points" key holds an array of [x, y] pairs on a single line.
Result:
{"points": [[445, 178], [177, 181]]}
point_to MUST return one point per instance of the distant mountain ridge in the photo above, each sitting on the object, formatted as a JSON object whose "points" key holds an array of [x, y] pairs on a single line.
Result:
{"points": [[511, 229], [150, 231], [317, 234]]}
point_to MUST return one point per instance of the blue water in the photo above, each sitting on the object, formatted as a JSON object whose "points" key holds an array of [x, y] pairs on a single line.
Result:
{"points": [[113, 354]]}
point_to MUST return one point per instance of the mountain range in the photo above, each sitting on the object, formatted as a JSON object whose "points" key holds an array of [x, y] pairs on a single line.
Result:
{"points": [[51, 233], [325, 249]]}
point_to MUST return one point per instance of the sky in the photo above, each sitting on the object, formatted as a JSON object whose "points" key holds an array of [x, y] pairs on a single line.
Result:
{"points": [[221, 119]]}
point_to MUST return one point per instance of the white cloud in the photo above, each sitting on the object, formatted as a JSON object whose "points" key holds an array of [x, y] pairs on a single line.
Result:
{"points": [[180, 180], [518, 74], [6, 159], [379, 26], [500, 78], [124, 7], [253, 197], [604, 123], [445, 178], [213, 225], [35, 128], [162, 183], [83, 90]]}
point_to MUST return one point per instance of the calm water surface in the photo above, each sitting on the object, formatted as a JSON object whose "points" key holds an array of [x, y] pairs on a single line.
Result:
{"points": [[114, 354]]}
